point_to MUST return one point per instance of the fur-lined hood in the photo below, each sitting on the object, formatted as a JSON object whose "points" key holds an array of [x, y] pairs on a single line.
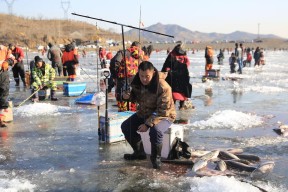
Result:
{"points": [[154, 82]]}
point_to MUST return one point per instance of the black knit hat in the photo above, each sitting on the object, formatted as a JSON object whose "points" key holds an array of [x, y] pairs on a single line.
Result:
{"points": [[135, 43], [37, 59]]}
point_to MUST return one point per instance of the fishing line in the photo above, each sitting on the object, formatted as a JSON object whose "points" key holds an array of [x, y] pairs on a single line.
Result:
{"points": [[87, 74]]}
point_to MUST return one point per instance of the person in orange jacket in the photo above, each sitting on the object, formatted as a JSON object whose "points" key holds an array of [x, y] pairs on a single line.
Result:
{"points": [[121, 73], [209, 53], [70, 60], [3, 53], [147, 52]]}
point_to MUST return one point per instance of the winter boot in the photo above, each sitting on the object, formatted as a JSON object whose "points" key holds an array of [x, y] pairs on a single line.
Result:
{"points": [[53, 97], [139, 153], [181, 103], [24, 82], [35, 97], [1, 122], [156, 156], [17, 82]]}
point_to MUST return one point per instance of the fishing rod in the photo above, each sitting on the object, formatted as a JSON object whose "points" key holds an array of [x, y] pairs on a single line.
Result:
{"points": [[140, 23], [28, 98], [115, 23], [88, 75], [124, 54]]}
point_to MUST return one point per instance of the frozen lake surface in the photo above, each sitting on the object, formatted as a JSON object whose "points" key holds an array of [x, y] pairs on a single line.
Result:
{"points": [[54, 146]]}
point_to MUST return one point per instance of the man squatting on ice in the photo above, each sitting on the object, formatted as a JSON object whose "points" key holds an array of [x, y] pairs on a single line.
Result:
{"points": [[43, 78], [156, 112]]}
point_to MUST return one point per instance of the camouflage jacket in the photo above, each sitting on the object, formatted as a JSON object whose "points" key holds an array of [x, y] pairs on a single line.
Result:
{"points": [[40, 77]]}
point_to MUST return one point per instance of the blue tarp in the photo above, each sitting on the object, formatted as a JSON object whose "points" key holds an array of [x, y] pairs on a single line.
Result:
{"points": [[92, 99], [87, 99]]}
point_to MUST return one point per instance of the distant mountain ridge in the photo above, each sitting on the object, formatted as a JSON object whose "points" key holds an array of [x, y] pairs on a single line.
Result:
{"points": [[183, 34]]}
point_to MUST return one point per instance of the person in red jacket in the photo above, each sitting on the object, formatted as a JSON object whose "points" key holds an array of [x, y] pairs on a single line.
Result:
{"points": [[248, 58], [18, 68], [102, 54], [109, 55]]}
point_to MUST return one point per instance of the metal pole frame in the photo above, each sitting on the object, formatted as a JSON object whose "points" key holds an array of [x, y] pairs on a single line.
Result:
{"points": [[124, 55]]}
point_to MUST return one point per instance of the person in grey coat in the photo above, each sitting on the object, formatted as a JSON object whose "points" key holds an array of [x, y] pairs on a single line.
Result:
{"points": [[55, 56]]}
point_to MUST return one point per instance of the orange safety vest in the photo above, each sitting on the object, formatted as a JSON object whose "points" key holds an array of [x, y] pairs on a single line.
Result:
{"points": [[68, 56], [3, 53]]}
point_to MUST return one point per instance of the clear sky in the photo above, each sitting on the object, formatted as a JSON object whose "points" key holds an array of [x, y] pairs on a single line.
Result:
{"points": [[220, 16]]}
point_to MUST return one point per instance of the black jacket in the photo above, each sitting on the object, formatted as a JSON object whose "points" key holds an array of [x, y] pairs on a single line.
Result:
{"points": [[178, 76]]}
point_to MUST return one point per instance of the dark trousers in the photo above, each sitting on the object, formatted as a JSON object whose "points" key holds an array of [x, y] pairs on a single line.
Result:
{"points": [[18, 69], [4, 89], [65, 73], [58, 67], [130, 126], [232, 68]]}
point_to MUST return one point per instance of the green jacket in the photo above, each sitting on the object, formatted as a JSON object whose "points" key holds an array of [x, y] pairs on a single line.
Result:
{"points": [[39, 77]]}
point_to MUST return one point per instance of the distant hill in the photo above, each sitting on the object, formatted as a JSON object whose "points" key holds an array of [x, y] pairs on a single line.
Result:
{"points": [[184, 35], [33, 32]]}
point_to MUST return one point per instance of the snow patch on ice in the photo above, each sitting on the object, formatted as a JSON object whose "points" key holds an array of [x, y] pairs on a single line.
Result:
{"points": [[39, 109], [262, 141], [229, 119], [7, 185], [264, 89], [225, 184]]}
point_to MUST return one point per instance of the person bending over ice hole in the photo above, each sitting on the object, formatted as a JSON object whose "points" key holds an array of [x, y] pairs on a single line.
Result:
{"points": [[156, 112], [43, 76]]}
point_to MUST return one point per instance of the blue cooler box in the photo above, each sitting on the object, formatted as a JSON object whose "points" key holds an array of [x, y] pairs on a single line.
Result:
{"points": [[114, 132], [213, 73], [74, 88]]}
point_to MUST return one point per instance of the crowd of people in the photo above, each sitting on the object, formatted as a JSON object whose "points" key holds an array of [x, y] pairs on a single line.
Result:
{"points": [[240, 58], [139, 86], [42, 74]]}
